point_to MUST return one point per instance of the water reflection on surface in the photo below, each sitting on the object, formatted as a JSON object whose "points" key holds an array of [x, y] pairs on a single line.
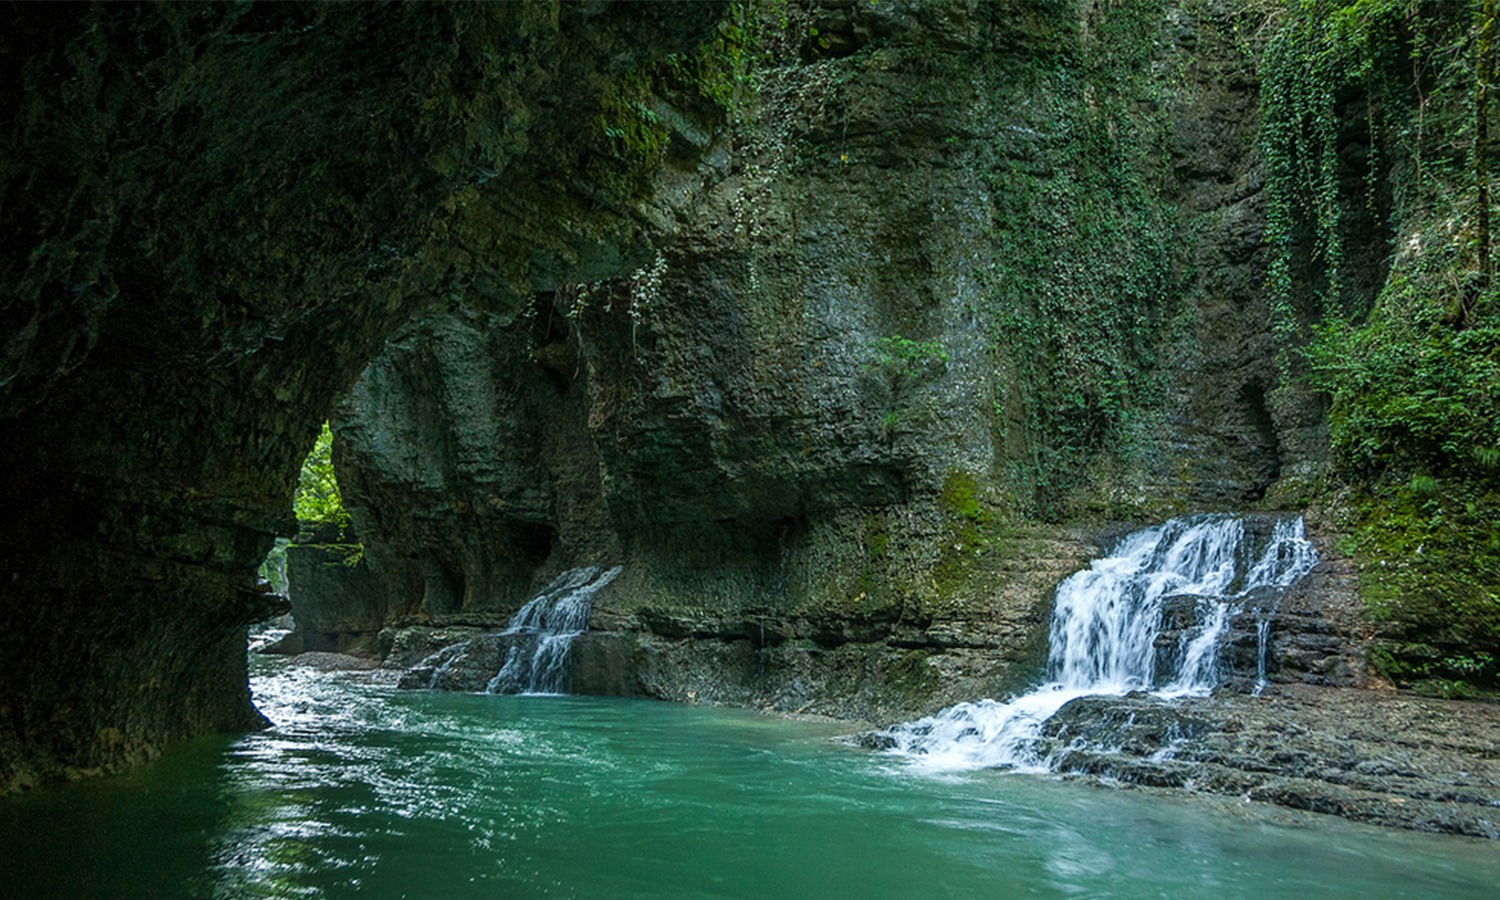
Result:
{"points": [[363, 792]]}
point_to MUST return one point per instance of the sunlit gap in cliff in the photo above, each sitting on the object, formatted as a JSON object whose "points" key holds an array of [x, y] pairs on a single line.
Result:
{"points": [[321, 520], [273, 574], [1106, 636]]}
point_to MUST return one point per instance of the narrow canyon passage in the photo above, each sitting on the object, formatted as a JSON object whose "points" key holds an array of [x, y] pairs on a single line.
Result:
{"points": [[944, 409]]}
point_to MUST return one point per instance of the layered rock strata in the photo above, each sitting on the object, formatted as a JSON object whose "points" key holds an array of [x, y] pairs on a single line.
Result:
{"points": [[338, 604], [1406, 762], [824, 379]]}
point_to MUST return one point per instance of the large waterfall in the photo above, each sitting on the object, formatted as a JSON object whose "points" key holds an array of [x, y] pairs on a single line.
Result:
{"points": [[1106, 625]]}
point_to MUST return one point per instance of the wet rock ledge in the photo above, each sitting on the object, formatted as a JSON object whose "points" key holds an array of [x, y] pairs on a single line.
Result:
{"points": [[1370, 756]]}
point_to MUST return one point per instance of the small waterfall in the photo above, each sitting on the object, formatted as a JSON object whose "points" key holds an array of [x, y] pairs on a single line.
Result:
{"points": [[1106, 625], [542, 633], [1262, 638]]}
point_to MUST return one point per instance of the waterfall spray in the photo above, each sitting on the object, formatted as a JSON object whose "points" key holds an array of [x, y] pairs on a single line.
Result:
{"points": [[1105, 624]]}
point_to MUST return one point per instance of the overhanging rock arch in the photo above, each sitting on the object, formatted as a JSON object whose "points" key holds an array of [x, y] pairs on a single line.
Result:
{"points": [[213, 217]]}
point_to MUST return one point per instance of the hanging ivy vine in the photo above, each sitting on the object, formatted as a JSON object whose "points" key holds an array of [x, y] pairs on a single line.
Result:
{"points": [[1322, 53], [1083, 274], [1414, 377]]}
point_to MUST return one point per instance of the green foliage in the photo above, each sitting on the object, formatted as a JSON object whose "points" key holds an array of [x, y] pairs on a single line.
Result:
{"points": [[903, 362], [1414, 377], [959, 496], [1430, 554], [901, 358], [720, 71], [629, 122], [912, 676], [1084, 273], [1403, 63], [1320, 51], [317, 501], [273, 568], [974, 530], [1410, 393]]}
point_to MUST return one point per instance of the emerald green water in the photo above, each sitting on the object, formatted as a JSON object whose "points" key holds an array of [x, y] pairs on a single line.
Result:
{"points": [[361, 791]]}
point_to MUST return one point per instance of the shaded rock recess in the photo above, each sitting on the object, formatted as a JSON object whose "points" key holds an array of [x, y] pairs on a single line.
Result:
{"points": [[212, 217]]}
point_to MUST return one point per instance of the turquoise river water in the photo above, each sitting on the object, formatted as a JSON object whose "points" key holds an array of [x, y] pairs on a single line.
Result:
{"points": [[363, 791]]}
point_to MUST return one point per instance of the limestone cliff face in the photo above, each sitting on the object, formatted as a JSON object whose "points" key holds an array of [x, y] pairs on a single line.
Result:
{"points": [[212, 218], [822, 349], [907, 327]]}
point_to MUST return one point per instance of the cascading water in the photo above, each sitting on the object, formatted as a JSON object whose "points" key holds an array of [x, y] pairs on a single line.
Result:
{"points": [[543, 632], [1104, 634]]}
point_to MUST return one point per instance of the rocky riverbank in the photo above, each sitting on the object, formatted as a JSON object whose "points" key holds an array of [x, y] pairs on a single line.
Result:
{"points": [[1370, 756], [737, 635], [1298, 721]]}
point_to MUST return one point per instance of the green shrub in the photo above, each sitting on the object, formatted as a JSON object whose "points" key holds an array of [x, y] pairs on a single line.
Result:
{"points": [[901, 358]]}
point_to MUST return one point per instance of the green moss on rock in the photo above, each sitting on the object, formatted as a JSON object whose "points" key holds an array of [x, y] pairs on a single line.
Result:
{"points": [[975, 530], [912, 677]]}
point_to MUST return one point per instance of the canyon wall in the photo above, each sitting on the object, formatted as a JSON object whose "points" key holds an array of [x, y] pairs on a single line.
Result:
{"points": [[845, 327], [965, 284]]}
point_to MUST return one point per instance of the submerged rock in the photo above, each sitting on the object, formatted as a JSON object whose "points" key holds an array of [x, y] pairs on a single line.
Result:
{"points": [[334, 662]]}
